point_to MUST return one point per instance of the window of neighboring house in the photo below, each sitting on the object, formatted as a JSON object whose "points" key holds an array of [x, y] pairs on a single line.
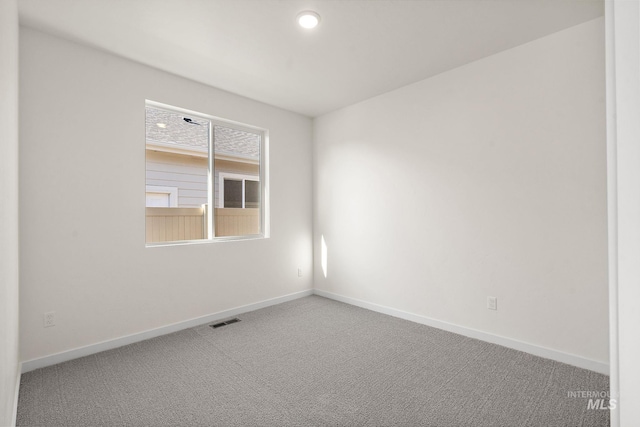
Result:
{"points": [[195, 161], [239, 191], [161, 197]]}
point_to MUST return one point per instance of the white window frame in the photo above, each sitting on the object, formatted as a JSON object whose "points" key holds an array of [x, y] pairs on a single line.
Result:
{"points": [[234, 176], [263, 178], [171, 191]]}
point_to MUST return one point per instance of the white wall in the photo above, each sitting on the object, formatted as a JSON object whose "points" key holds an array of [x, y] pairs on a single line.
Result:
{"points": [[487, 180], [9, 355], [623, 135], [82, 117]]}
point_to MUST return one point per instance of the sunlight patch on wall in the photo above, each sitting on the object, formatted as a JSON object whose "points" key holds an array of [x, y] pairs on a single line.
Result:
{"points": [[323, 255]]}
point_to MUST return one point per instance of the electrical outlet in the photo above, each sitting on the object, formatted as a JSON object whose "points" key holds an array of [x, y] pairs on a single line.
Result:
{"points": [[299, 272], [492, 303], [50, 319]]}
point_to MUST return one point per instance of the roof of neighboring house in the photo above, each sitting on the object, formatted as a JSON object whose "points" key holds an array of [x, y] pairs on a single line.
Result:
{"points": [[194, 135]]}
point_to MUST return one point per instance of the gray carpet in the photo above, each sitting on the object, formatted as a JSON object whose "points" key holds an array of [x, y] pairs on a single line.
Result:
{"points": [[310, 362]]}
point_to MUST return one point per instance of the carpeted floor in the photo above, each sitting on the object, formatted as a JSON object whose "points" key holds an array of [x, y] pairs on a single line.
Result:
{"points": [[310, 362]]}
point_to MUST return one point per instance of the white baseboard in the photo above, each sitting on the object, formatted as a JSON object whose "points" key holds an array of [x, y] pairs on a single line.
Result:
{"points": [[547, 353], [75, 353], [14, 418]]}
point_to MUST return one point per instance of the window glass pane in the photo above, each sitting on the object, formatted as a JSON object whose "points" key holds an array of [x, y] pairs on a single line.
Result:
{"points": [[251, 194], [177, 156], [237, 168], [232, 193]]}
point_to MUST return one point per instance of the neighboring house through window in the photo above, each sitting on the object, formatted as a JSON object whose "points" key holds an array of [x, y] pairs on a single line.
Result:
{"points": [[194, 162]]}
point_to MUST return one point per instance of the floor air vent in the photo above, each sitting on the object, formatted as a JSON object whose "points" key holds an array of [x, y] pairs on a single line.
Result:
{"points": [[227, 322]]}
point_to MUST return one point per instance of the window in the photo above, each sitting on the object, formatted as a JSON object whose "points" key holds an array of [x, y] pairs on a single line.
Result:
{"points": [[239, 191], [205, 177], [158, 196]]}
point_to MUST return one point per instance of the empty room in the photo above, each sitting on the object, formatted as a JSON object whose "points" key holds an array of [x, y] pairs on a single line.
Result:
{"points": [[319, 213]]}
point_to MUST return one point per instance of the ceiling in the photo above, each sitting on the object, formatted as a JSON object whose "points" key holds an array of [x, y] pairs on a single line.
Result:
{"points": [[254, 48]]}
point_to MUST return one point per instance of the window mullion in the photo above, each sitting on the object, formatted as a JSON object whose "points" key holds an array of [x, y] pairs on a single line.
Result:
{"points": [[211, 231], [243, 193]]}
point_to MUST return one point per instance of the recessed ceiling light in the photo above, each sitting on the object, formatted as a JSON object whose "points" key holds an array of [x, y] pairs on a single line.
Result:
{"points": [[161, 125], [308, 19]]}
